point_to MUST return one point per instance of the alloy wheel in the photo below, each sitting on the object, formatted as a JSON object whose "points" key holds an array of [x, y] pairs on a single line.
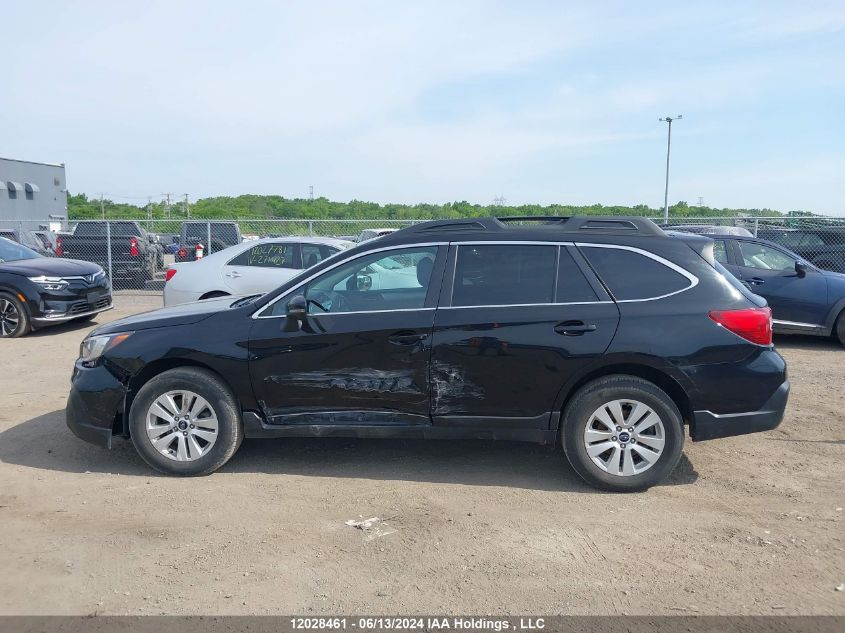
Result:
{"points": [[10, 318], [182, 425], [624, 437]]}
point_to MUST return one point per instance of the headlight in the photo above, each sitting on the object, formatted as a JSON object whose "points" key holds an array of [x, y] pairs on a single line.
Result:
{"points": [[95, 346], [50, 283]]}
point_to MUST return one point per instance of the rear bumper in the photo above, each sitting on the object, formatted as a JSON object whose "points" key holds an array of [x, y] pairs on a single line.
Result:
{"points": [[709, 426]]}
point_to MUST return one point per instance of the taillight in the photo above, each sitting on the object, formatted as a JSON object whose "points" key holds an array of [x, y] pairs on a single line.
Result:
{"points": [[133, 247], [183, 252], [168, 275], [59, 250], [752, 324]]}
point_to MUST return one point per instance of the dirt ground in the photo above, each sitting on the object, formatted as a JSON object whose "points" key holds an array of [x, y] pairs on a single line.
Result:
{"points": [[747, 525]]}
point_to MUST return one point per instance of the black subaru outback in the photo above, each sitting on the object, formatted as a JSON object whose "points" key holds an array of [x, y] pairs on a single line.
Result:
{"points": [[603, 334]]}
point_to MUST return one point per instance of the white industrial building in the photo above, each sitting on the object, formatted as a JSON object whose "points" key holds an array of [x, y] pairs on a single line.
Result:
{"points": [[34, 194]]}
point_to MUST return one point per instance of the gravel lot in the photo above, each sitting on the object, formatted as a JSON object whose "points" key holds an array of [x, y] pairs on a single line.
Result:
{"points": [[747, 525]]}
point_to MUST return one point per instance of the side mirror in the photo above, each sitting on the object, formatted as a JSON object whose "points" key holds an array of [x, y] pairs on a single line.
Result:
{"points": [[363, 282], [297, 308], [800, 269]]}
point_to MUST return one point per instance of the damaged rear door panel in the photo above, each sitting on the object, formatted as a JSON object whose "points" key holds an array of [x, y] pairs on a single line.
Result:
{"points": [[515, 322]]}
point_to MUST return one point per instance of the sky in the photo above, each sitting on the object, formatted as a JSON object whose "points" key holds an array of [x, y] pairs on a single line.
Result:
{"points": [[537, 102]]}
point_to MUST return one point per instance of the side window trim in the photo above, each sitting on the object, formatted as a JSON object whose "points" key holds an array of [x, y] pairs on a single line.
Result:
{"points": [[430, 300], [678, 269]]}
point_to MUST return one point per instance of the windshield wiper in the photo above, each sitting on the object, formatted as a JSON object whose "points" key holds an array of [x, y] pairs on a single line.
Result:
{"points": [[244, 301]]}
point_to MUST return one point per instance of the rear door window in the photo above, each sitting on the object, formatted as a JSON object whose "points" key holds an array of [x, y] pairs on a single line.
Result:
{"points": [[504, 274], [279, 255], [631, 275]]}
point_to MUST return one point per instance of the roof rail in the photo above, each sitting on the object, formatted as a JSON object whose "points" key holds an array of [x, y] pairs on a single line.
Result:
{"points": [[570, 224], [592, 223]]}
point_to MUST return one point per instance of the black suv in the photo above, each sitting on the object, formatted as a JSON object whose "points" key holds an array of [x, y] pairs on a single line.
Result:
{"points": [[603, 334]]}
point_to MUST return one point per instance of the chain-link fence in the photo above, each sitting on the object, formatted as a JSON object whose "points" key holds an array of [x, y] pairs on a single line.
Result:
{"points": [[136, 253]]}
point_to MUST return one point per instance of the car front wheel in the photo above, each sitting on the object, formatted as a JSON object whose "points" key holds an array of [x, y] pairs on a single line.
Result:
{"points": [[14, 319], [185, 422], [622, 433]]}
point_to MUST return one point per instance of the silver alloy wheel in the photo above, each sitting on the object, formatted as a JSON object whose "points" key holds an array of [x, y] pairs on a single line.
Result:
{"points": [[10, 318], [624, 437], [181, 425]]}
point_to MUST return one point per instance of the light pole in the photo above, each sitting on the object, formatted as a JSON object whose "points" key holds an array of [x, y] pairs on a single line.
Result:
{"points": [[668, 120]]}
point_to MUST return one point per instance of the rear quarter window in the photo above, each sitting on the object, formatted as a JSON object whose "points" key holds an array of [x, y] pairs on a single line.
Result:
{"points": [[631, 275]]}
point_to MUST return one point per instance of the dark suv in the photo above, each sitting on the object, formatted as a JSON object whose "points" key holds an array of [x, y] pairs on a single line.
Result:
{"points": [[603, 334]]}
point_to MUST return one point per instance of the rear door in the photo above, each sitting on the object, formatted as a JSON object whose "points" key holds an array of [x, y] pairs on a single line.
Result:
{"points": [[262, 268], [770, 272], [515, 321]]}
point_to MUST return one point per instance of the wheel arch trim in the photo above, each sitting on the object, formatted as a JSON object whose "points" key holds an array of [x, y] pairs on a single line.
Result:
{"points": [[669, 379], [156, 368]]}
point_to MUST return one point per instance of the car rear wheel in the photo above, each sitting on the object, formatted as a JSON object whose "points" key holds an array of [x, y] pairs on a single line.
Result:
{"points": [[840, 327], [622, 433], [185, 422], [14, 319]]}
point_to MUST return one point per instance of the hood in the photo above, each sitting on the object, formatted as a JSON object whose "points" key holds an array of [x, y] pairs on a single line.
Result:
{"points": [[49, 266], [176, 315]]}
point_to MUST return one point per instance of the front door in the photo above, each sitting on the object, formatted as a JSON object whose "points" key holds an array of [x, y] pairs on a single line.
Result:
{"points": [[523, 318], [362, 355], [770, 273]]}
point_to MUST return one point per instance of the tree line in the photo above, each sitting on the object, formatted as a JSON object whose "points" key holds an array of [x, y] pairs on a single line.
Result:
{"points": [[277, 207]]}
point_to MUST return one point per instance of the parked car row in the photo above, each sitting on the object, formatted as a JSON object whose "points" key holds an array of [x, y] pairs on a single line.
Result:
{"points": [[134, 254], [460, 328]]}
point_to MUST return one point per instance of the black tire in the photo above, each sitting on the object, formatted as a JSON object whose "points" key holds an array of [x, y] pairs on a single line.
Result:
{"points": [[840, 327], [218, 396], [589, 399], [14, 317]]}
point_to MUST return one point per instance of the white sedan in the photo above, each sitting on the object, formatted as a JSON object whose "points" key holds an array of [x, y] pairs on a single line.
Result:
{"points": [[253, 267]]}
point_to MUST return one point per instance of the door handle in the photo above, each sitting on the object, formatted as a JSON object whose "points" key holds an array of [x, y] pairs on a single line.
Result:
{"points": [[234, 274], [574, 328], [756, 281], [406, 338]]}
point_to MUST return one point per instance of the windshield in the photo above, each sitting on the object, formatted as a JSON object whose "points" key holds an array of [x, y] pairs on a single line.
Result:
{"points": [[12, 251]]}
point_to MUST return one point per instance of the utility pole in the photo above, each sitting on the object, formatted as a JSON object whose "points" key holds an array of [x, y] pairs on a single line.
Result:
{"points": [[499, 201], [185, 207], [668, 119], [700, 201], [311, 193], [149, 211], [102, 206], [167, 205]]}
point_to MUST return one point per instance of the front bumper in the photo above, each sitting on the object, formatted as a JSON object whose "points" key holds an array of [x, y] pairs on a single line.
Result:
{"points": [[63, 318], [95, 402], [709, 426]]}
